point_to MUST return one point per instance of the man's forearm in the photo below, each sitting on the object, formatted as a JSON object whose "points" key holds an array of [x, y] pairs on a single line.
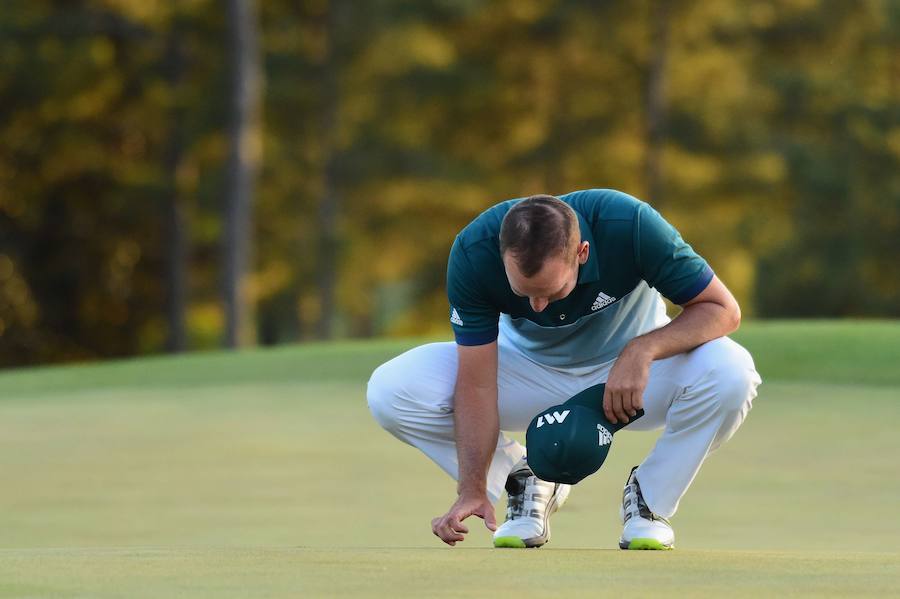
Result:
{"points": [[477, 426], [697, 324]]}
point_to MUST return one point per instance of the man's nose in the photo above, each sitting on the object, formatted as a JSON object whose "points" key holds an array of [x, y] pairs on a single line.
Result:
{"points": [[538, 304]]}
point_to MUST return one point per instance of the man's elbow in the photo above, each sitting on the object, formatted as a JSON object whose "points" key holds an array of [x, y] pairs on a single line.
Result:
{"points": [[733, 317]]}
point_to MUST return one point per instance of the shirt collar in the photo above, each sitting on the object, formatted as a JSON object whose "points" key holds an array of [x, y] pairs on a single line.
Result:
{"points": [[589, 272]]}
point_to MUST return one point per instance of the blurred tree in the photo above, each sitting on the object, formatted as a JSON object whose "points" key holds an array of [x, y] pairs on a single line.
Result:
{"points": [[835, 68], [655, 102], [327, 259], [176, 234], [390, 125], [78, 241], [244, 154], [87, 156]]}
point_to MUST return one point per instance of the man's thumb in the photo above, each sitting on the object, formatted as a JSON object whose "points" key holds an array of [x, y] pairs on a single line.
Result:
{"points": [[489, 519]]}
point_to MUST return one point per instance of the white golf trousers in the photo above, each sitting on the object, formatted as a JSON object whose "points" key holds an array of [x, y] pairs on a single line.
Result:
{"points": [[700, 398]]}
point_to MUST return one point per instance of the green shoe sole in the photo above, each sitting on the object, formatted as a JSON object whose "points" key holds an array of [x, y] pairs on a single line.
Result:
{"points": [[647, 544], [509, 542]]}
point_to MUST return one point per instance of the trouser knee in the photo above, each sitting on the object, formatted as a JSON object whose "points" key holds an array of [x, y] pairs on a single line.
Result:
{"points": [[729, 373], [381, 394], [736, 381]]}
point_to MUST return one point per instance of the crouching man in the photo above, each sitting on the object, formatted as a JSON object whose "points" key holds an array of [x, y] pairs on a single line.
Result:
{"points": [[550, 296]]}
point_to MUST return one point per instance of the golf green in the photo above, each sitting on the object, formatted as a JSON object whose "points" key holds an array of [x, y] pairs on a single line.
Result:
{"points": [[262, 474]]}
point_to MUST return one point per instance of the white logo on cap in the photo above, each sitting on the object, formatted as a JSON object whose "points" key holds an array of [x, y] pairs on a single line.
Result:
{"points": [[605, 435], [555, 417]]}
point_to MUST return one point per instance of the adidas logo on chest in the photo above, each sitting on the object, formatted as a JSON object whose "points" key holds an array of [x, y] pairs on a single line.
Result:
{"points": [[602, 301]]}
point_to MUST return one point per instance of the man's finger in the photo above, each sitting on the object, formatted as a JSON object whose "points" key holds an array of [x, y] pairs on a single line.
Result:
{"points": [[490, 520], [607, 406], [486, 513], [618, 407], [436, 527], [629, 404], [448, 535], [458, 527], [455, 526], [638, 400], [452, 538], [441, 529], [614, 401]]}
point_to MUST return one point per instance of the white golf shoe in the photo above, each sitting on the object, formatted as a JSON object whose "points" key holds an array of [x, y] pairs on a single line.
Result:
{"points": [[642, 528], [530, 503]]}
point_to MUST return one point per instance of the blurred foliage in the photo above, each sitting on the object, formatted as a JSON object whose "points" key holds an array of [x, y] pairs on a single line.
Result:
{"points": [[780, 157]]}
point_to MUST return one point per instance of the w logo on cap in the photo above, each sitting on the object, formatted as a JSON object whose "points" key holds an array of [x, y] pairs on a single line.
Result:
{"points": [[555, 417]]}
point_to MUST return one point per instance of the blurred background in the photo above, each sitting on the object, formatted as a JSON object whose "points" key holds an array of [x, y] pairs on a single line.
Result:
{"points": [[188, 174]]}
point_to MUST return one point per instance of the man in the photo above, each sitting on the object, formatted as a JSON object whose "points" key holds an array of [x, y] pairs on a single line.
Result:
{"points": [[549, 296]]}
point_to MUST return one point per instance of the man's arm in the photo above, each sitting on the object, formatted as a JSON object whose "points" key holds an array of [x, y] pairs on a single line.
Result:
{"points": [[711, 314], [477, 426], [477, 423]]}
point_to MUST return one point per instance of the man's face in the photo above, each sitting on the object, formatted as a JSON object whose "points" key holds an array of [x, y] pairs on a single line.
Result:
{"points": [[555, 280]]}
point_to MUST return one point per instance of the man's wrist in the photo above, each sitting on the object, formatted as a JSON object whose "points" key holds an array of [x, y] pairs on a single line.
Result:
{"points": [[471, 489], [642, 348]]}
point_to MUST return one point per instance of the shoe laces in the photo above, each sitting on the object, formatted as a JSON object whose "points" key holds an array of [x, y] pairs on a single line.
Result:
{"points": [[524, 493], [633, 503]]}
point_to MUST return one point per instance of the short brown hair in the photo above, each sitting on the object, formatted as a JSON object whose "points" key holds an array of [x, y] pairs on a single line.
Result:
{"points": [[537, 228]]}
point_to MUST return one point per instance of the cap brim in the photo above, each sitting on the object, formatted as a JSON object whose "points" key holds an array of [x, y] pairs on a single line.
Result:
{"points": [[592, 398]]}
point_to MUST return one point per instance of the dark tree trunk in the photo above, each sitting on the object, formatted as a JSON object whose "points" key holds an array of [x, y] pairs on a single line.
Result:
{"points": [[177, 250], [330, 203], [243, 162], [655, 101]]}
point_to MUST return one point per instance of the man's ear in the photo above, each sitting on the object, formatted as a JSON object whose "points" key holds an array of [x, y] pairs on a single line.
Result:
{"points": [[584, 250]]}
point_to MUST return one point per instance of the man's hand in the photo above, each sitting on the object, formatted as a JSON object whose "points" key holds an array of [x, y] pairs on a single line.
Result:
{"points": [[476, 428], [624, 394], [450, 528], [711, 314]]}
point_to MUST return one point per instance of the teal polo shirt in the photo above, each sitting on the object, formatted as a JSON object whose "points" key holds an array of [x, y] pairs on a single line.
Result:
{"points": [[635, 255]]}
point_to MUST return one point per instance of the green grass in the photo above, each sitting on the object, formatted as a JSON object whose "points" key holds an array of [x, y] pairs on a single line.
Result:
{"points": [[261, 474]]}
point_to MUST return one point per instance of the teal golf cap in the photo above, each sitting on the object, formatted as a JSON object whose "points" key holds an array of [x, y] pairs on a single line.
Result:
{"points": [[569, 442]]}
